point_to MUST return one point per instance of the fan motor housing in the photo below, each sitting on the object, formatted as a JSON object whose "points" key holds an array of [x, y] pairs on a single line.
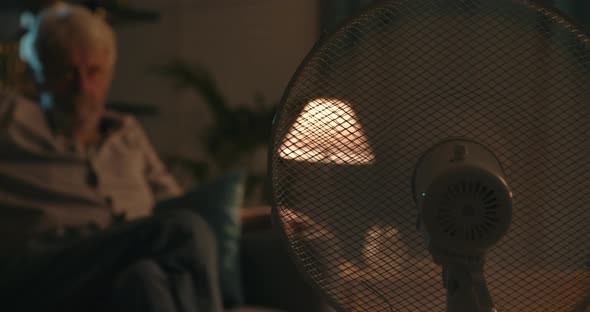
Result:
{"points": [[463, 199]]}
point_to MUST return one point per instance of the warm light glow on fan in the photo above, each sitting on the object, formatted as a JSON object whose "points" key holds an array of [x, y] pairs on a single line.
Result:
{"points": [[327, 131]]}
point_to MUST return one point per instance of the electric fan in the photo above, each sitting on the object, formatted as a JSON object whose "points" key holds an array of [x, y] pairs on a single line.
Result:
{"points": [[433, 155]]}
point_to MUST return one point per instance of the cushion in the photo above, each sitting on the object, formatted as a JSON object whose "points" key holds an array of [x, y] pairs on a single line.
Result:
{"points": [[219, 202]]}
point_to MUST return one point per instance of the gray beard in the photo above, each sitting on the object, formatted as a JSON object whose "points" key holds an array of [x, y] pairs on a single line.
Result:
{"points": [[82, 114]]}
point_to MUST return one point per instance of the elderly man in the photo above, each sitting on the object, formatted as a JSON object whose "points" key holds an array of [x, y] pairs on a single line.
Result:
{"points": [[73, 175]]}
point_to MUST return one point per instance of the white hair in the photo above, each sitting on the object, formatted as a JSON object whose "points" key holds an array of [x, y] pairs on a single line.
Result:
{"points": [[56, 28]]}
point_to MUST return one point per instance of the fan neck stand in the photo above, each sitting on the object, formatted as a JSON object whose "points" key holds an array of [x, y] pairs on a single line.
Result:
{"points": [[467, 289]]}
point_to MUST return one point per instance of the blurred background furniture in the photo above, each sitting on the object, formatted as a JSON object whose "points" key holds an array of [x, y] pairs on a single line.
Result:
{"points": [[270, 277]]}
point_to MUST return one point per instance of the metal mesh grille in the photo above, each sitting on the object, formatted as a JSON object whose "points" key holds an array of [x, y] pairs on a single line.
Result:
{"points": [[507, 74]]}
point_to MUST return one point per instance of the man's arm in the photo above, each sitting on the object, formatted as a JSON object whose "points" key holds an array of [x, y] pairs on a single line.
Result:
{"points": [[161, 182]]}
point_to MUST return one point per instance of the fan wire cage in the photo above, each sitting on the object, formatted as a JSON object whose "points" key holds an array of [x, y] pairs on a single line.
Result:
{"points": [[392, 82]]}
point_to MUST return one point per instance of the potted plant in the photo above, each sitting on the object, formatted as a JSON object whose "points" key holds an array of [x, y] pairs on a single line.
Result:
{"points": [[236, 133]]}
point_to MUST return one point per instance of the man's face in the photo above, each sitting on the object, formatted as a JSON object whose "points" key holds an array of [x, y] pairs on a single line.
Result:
{"points": [[77, 83]]}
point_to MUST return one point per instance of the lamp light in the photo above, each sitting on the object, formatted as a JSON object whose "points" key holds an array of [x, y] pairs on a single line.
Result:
{"points": [[327, 131]]}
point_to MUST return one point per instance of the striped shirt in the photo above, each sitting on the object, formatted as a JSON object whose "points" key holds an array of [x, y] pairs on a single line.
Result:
{"points": [[50, 186]]}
